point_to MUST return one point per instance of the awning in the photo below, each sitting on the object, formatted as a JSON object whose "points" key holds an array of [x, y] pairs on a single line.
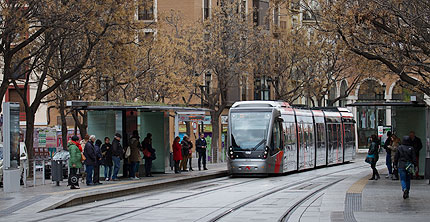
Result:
{"points": [[103, 105], [388, 103]]}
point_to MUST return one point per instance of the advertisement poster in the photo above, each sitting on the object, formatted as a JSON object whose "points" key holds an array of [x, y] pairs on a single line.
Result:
{"points": [[51, 138], [42, 138]]}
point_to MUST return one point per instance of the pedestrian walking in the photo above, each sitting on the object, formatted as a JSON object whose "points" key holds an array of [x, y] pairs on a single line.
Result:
{"points": [[90, 159], [107, 158], [148, 154], [393, 148], [417, 145], [98, 150], [117, 153], [134, 157], [373, 156], [388, 162], [75, 163], [201, 145], [406, 161], [177, 153], [185, 153], [190, 156]]}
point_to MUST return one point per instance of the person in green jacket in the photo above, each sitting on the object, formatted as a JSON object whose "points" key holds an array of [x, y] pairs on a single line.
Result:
{"points": [[75, 163]]}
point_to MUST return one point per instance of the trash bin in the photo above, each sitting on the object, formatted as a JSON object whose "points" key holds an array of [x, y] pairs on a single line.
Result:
{"points": [[57, 171], [57, 166]]}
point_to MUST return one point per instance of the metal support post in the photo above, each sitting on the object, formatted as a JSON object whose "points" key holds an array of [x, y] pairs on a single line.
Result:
{"points": [[34, 172], [43, 172], [176, 125]]}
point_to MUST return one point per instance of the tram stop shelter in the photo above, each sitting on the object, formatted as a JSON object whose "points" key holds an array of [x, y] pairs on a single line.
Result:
{"points": [[107, 118], [406, 117]]}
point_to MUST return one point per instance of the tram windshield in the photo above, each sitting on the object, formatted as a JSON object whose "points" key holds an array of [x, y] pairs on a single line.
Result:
{"points": [[249, 130]]}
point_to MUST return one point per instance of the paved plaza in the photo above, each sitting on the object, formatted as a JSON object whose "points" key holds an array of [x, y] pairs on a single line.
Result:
{"points": [[337, 193]]}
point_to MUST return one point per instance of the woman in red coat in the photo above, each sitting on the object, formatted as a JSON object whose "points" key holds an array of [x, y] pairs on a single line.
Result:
{"points": [[177, 153]]}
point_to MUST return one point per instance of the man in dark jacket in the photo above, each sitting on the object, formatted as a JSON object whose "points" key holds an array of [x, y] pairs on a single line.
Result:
{"points": [[201, 149], [405, 156], [117, 152], [147, 147], [91, 159], [107, 158], [99, 156], [417, 145], [388, 142]]}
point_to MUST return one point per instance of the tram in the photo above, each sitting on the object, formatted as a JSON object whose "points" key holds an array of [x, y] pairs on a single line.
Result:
{"points": [[269, 137]]}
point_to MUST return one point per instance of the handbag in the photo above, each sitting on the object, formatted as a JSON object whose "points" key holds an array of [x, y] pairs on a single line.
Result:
{"points": [[83, 158], [146, 153], [369, 158], [127, 152], [410, 168]]}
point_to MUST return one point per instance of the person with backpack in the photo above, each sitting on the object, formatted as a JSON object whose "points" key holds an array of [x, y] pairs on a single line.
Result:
{"points": [[148, 154], [405, 160], [373, 156], [74, 161]]}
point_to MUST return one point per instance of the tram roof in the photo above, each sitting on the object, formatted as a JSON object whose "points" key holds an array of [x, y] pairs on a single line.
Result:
{"points": [[260, 104]]}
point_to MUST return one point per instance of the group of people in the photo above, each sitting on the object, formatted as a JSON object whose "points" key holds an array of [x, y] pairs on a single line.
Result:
{"points": [[182, 153], [91, 153], [402, 158]]}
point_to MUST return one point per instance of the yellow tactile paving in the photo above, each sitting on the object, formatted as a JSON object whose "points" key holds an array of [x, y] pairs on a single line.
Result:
{"points": [[358, 186]]}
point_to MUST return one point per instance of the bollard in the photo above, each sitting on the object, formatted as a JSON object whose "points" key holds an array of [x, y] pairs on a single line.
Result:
{"points": [[43, 172], [24, 176]]}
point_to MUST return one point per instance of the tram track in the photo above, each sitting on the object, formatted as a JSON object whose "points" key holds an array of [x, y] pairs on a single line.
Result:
{"points": [[147, 195], [190, 196], [243, 204], [297, 204]]}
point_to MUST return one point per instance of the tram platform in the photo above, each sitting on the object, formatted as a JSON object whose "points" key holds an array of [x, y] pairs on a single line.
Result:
{"points": [[39, 198], [359, 199]]}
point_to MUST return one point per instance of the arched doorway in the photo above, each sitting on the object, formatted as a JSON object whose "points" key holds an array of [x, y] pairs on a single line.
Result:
{"points": [[370, 117], [371, 90]]}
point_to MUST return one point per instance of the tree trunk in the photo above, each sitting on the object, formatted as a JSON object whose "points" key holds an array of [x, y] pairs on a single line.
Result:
{"points": [[63, 123], [3, 89], [82, 126], [215, 135], [29, 138]]}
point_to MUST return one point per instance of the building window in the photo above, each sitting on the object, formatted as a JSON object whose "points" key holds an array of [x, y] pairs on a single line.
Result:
{"points": [[262, 88], [276, 16], [145, 10], [283, 25], [261, 8], [146, 35], [206, 9]]}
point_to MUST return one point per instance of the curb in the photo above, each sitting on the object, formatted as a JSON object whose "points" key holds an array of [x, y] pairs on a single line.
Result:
{"points": [[97, 195]]}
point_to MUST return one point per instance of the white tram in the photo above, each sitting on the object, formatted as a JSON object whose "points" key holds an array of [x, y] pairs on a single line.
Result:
{"points": [[267, 137]]}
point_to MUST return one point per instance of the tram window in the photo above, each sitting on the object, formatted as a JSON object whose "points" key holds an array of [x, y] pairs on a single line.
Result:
{"points": [[290, 135], [276, 138], [320, 136]]}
